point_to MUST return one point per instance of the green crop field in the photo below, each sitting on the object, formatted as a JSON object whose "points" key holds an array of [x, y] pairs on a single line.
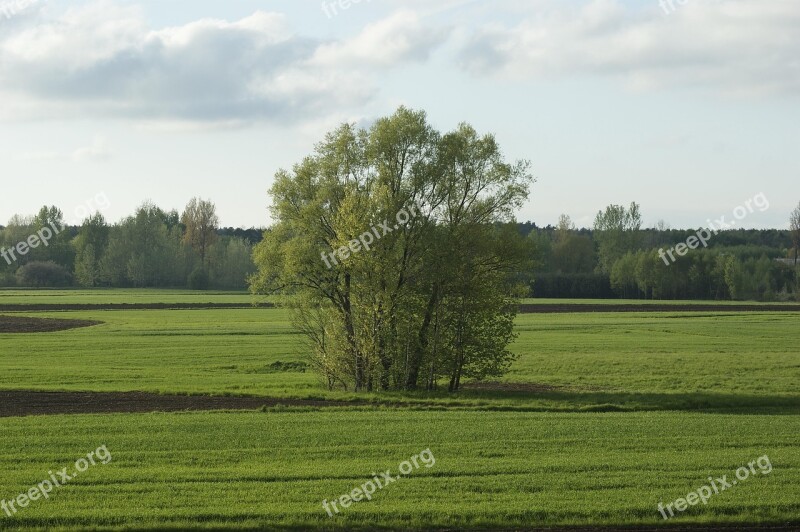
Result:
{"points": [[491, 468], [117, 296], [636, 359], [602, 417]]}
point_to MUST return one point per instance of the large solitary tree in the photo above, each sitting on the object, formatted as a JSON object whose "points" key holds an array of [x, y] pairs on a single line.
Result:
{"points": [[395, 248]]}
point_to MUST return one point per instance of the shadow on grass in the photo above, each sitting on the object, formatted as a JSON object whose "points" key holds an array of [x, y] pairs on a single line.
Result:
{"points": [[554, 399]]}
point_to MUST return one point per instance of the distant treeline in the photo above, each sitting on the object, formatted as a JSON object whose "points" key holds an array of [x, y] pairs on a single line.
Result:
{"points": [[619, 259], [157, 248], [151, 248]]}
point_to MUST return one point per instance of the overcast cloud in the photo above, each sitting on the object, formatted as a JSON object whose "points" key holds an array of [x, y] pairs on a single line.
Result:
{"points": [[610, 97]]}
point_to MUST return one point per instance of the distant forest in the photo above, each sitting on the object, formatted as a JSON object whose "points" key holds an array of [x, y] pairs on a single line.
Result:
{"points": [[738, 264], [157, 248], [151, 248]]}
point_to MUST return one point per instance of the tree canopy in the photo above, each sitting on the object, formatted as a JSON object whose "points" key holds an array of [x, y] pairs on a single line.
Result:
{"points": [[397, 250]]}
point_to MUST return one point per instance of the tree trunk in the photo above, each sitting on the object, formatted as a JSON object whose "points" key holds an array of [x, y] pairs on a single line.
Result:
{"points": [[351, 337], [431, 381], [422, 343]]}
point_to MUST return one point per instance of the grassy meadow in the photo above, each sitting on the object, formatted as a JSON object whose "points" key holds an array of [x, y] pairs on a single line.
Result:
{"points": [[511, 469], [603, 416], [117, 296]]}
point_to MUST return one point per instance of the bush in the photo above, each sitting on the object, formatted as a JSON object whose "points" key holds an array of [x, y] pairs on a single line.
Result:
{"points": [[39, 274], [198, 279]]}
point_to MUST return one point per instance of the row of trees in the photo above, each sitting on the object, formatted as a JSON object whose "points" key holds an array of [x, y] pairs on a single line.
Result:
{"points": [[703, 274], [618, 258], [166, 249], [151, 248]]}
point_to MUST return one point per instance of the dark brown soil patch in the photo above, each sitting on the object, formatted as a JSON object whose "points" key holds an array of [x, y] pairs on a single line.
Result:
{"points": [[527, 308], [26, 403], [539, 308], [45, 307], [685, 527], [18, 324], [524, 387]]}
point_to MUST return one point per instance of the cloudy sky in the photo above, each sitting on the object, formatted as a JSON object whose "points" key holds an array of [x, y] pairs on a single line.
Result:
{"points": [[689, 110]]}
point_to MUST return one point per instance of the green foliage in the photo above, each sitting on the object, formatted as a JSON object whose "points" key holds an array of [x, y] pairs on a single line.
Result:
{"points": [[701, 274], [90, 244], [41, 274], [432, 298], [794, 227], [198, 279], [87, 271], [623, 275], [200, 221], [617, 232], [7, 278], [231, 263], [574, 254], [283, 367], [575, 286], [143, 250], [58, 248]]}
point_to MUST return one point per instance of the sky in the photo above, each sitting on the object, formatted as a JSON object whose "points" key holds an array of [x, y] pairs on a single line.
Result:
{"points": [[688, 107]]}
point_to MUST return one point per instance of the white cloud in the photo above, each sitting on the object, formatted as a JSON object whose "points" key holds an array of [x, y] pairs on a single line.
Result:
{"points": [[40, 156], [16, 8], [396, 39], [738, 47], [97, 151], [103, 60]]}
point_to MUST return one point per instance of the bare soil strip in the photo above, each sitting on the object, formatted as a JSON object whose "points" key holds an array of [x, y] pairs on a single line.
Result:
{"points": [[524, 387], [26, 403], [539, 308], [45, 307], [526, 308], [687, 527], [18, 324]]}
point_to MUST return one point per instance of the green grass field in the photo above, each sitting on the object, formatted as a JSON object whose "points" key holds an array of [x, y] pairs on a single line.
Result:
{"points": [[637, 360], [10, 296], [492, 468], [118, 295], [602, 417]]}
